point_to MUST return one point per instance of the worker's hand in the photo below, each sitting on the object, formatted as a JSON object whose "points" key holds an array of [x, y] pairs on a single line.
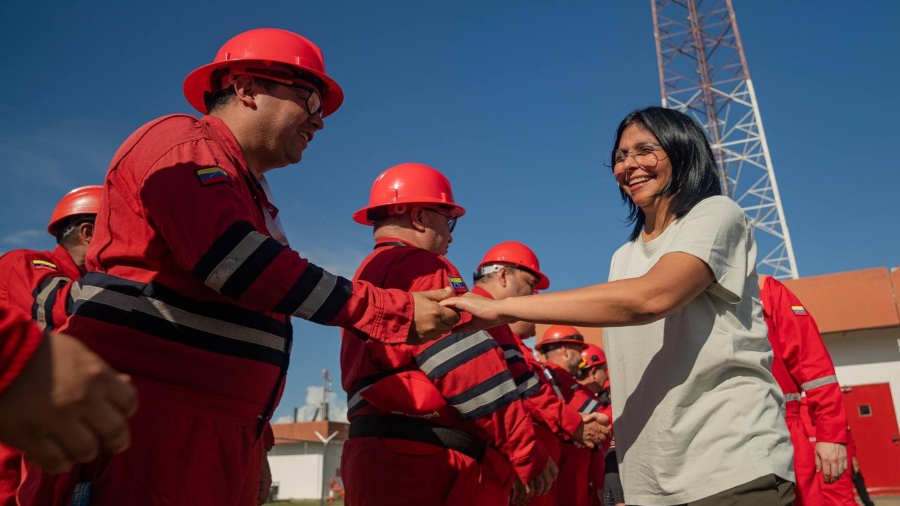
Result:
{"points": [[65, 405], [831, 459], [520, 493], [855, 465], [431, 319], [594, 429], [265, 480], [485, 312], [541, 483]]}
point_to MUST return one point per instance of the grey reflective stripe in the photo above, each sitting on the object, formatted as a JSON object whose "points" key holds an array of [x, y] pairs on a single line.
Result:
{"points": [[508, 354], [318, 296], [40, 301], [590, 407], [792, 397], [159, 309], [355, 400], [491, 396], [826, 380], [223, 272], [453, 350], [527, 384]]}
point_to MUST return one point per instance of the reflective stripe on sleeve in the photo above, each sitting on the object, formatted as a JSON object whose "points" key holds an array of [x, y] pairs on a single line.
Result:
{"points": [[486, 397], [453, 351], [825, 380], [589, 406], [792, 397], [44, 300]]}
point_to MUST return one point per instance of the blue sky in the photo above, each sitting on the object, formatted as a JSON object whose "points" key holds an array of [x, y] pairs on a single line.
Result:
{"points": [[517, 102]]}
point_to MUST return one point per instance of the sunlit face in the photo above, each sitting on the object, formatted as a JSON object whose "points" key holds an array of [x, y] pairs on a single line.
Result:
{"points": [[520, 282], [642, 168], [572, 356], [437, 235], [285, 125]]}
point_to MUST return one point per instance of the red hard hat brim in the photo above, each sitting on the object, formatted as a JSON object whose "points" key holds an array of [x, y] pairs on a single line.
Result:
{"points": [[197, 83], [362, 216]]}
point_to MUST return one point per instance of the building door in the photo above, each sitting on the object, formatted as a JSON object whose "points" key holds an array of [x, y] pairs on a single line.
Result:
{"points": [[873, 421]]}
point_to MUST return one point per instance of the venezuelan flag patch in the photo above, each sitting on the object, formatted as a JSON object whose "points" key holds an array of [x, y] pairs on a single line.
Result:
{"points": [[458, 285], [213, 175], [43, 264], [799, 310]]}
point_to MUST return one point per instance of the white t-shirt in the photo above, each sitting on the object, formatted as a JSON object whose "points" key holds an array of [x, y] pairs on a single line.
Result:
{"points": [[696, 409]]}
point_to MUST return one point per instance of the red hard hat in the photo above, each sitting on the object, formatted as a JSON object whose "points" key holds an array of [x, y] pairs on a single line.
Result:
{"points": [[592, 356], [265, 46], [560, 334], [409, 183], [84, 200], [516, 254]]}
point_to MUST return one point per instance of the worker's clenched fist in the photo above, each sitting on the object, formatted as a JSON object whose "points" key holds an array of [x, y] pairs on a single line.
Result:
{"points": [[431, 319], [594, 429], [541, 484], [65, 405]]}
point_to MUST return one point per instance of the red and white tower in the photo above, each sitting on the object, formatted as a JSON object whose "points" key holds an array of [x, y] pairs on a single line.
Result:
{"points": [[703, 72]]}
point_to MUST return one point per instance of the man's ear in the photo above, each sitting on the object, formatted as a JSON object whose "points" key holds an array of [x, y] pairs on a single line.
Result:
{"points": [[86, 232], [246, 88]]}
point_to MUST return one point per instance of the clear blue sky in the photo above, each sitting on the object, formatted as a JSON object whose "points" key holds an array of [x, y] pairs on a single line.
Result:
{"points": [[516, 102]]}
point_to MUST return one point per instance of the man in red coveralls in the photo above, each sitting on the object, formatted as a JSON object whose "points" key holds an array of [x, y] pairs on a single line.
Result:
{"points": [[802, 364], [37, 283], [60, 402], [191, 286], [511, 269], [422, 416], [562, 345], [593, 376]]}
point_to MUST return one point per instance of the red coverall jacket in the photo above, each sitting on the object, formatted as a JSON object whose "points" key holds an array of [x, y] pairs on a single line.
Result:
{"points": [[36, 283], [19, 340], [552, 419], [459, 381], [574, 465], [187, 292], [802, 364]]}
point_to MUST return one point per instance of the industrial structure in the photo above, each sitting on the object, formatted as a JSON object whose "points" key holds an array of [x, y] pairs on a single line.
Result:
{"points": [[703, 73]]}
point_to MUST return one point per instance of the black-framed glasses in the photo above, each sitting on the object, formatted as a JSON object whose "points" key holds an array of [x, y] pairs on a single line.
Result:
{"points": [[645, 156], [451, 220], [313, 101]]}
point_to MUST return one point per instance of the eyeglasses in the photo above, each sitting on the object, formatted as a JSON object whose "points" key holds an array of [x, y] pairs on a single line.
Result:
{"points": [[313, 101], [451, 220], [645, 156]]}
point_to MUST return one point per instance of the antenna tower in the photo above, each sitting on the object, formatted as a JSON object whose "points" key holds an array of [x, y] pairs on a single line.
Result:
{"points": [[703, 73]]}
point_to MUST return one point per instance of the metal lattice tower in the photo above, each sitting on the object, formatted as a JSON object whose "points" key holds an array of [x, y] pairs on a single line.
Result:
{"points": [[703, 73]]}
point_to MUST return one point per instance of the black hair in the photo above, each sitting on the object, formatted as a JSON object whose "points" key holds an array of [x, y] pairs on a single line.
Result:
{"points": [[67, 232], [220, 98], [694, 173]]}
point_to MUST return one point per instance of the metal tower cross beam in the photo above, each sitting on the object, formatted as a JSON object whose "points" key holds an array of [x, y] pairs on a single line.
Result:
{"points": [[703, 73]]}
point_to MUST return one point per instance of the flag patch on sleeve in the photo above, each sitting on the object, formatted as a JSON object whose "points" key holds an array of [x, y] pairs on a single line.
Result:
{"points": [[43, 264], [799, 310], [212, 175], [458, 285]]}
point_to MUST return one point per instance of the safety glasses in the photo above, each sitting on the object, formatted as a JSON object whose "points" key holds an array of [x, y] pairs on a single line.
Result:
{"points": [[313, 101], [451, 220]]}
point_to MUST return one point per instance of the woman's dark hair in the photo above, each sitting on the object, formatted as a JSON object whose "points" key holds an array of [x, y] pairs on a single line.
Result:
{"points": [[694, 175]]}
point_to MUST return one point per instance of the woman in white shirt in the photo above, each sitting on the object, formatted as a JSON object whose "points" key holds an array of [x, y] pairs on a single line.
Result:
{"points": [[698, 415]]}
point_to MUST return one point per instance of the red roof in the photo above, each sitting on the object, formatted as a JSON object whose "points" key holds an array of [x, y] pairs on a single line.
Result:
{"points": [[297, 432]]}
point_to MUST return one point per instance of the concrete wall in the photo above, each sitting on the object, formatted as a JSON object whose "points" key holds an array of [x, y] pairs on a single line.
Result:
{"points": [[297, 467], [867, 356]]}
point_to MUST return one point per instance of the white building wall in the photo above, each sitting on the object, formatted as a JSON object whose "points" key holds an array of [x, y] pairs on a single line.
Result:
{"points": [[862, 357], [298, 468]]}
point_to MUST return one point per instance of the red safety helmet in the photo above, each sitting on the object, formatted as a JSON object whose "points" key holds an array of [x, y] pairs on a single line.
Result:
{"points": [[560, 334], [263, 47], [84, 200], [409, 183], [516, 254], [592, 356]]}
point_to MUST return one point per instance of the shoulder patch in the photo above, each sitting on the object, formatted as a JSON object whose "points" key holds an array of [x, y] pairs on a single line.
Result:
{"points": [[43, 264], [213, 175], [459, 286], [799, 310]]}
